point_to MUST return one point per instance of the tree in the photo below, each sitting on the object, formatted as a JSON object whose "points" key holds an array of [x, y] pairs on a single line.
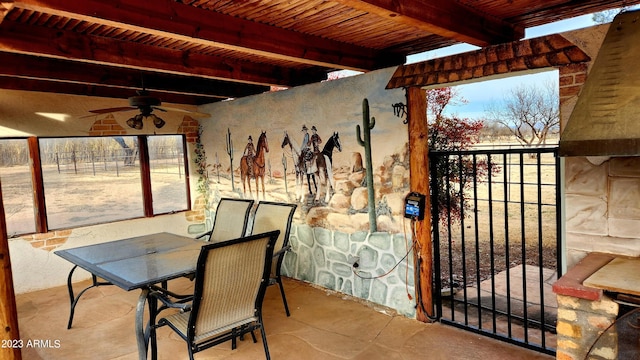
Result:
{"points": [[604, 17], [454, 173], [529, 112]]}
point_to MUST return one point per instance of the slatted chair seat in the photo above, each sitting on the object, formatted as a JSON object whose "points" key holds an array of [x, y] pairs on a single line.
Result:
{"points": [[230, 283], [179, 322]]}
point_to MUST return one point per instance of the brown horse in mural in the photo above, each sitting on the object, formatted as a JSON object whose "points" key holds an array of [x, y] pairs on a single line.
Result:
{"points": [[258, 168]]}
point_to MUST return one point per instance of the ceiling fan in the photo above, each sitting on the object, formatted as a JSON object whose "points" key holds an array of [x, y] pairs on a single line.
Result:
{"points": [[146, 104]]}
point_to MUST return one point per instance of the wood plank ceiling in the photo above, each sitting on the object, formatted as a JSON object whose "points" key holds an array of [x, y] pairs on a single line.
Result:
{"points": [[202, 51]]}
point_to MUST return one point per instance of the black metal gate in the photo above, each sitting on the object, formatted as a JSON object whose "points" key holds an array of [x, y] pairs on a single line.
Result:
{"points": [[496, 230]]}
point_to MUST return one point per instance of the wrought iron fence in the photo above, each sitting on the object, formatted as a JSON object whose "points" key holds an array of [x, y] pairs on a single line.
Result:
{"points": [[496, 226]]}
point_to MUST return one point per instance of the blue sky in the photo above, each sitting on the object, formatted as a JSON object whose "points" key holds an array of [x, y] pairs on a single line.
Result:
{"points": [[480, 95]]}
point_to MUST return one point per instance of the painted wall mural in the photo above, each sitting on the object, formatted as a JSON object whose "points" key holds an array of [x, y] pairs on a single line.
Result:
{"points": [[344, 160], [303, 146]]}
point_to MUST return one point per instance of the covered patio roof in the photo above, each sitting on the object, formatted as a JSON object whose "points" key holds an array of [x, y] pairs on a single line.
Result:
{"points": [[196, 52]]}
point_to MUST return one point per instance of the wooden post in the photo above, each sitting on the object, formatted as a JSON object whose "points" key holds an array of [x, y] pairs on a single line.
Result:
{"points": [[8, 310], [419, 170]]}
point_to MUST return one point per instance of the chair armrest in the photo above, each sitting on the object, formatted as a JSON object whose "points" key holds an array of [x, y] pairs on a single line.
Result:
{"points": [[282, 251], [170, 299], [202, 235]]}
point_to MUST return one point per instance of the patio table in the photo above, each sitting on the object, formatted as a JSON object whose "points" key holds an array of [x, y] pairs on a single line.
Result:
{"points": [[135, 263]]}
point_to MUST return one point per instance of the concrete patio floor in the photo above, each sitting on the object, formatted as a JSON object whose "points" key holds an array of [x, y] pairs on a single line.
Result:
{"points": [[323, 325]]}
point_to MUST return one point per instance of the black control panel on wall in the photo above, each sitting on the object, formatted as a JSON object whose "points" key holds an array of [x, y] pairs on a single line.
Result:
{"points": [[414, 206]]}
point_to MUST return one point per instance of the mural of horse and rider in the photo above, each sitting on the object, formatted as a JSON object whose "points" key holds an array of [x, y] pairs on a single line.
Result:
{"points": [[310, 162]]}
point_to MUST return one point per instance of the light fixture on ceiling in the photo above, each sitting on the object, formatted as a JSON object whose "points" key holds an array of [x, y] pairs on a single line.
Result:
{"points": [[145, 113]]}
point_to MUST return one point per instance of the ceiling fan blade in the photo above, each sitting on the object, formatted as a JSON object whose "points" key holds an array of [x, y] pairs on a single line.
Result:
{"points": [[191, 113], [110, 110]]}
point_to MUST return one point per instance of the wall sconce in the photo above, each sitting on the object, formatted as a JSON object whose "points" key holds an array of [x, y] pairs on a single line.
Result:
{"points": [[400, 110]]}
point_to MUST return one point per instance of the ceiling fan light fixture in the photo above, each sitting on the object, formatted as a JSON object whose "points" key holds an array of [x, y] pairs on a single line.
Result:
{"points": [[157, 121], [135, 122]]}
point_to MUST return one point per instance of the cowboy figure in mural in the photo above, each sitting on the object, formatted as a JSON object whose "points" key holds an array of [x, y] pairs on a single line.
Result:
{"points": [[307, 153], [250, 153], [315, 140]]}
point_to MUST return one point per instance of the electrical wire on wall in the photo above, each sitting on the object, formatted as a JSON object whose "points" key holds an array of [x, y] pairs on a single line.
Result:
{"points": [[414, 210], [357, 273]]}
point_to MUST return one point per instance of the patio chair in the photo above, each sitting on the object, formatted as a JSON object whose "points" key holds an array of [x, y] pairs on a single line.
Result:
{"points": [[231, 220], [231, 280], [275, 216]]}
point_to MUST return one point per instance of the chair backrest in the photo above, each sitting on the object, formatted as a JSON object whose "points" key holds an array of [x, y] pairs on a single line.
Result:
{"points": [[231, 219], [231, 279], [274, 216]]}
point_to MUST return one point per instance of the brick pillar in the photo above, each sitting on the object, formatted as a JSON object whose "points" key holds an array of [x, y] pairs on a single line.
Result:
{"points": [[580, 323]]}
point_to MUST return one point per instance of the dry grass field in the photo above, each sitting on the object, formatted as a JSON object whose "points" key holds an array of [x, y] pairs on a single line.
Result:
{"points": [[508, 222]]}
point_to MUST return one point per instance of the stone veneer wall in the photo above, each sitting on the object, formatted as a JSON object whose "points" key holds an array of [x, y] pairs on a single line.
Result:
{"points": [[324, 257], [603, 206]]}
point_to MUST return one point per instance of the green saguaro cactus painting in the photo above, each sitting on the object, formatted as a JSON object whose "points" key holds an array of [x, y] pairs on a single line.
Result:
{"points": [[367, 125]]}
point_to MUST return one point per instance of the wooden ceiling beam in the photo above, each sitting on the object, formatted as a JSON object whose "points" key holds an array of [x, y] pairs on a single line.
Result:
{"points": [[41, 68], [5, 6], [448, 19], [60, 44], [25, 84], [174, 20]]}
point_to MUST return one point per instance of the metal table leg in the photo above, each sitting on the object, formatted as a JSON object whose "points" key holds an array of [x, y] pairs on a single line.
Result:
{"points": [[143, 331], [141, 337], [73, 299]]}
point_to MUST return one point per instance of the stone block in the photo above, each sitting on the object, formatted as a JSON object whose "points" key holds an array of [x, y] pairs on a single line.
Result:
{"points": [[378, 292], [380, 240], [327, 279], [196, 229], [356, 178], [344, 187], [368, 258], [341, 241], [567, 315], [319, 258], [341, 269], [567, 344], [362, 286], [586, 214], [322, 236], [605, 306], [317, 216], [340, 201], [584, 178], [289, 264], [625, 228], [569, 329], [625, 166], [305, 268], [347, 287], [338, 256], [359, 198], [305, 235], [624, 195]]}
